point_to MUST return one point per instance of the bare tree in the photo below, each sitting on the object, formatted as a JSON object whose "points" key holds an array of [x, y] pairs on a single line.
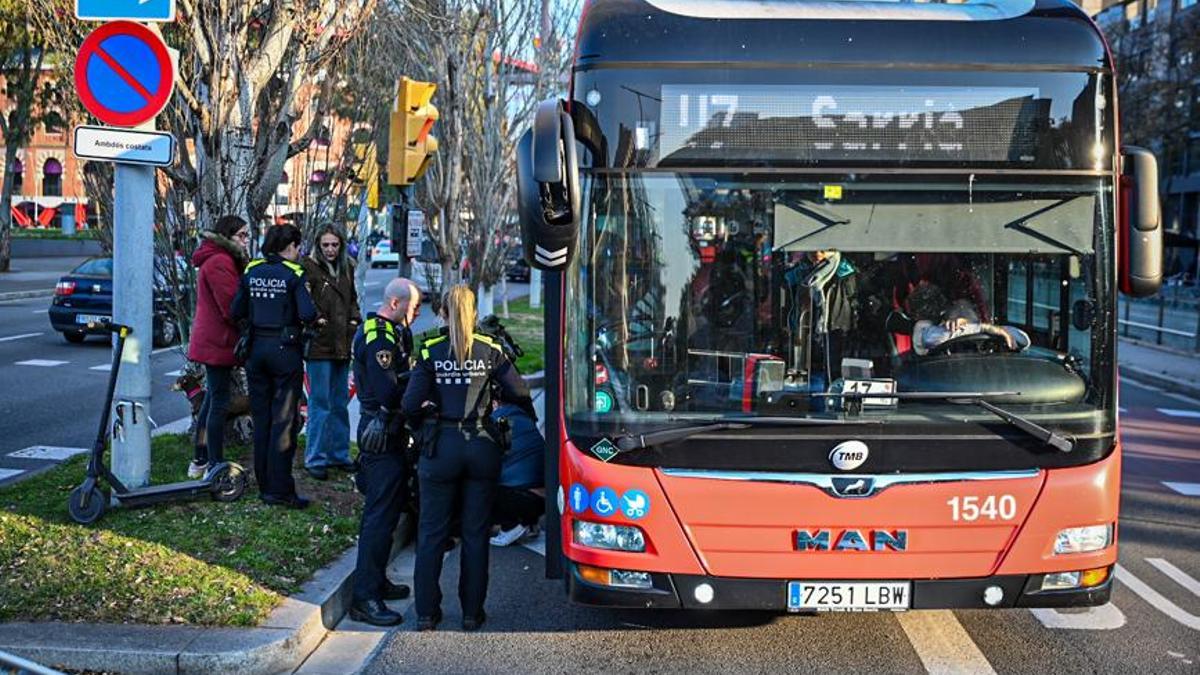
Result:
{"points": [[491, 62], [22, 53], [1158, 76]]}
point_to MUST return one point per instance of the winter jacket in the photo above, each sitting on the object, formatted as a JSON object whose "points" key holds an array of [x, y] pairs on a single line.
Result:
{"points": [[337, 303], [214, 331]]}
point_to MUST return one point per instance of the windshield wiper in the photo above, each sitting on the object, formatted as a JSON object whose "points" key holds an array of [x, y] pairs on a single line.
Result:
{"points": [[978, 399], [631, 442]]}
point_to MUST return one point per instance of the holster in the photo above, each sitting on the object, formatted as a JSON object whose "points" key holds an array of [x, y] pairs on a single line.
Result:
{"points": [[499, 430], [426, 436], [241, 350]]}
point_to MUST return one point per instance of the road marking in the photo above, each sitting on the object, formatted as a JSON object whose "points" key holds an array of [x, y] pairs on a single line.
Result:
{"points": [[41, 311], [1179, 576], [174, 373], [160, 350], [5, 474], [22, 336], [51, 453], [942, 643], [1104, 617], [1138, 385], [42, 363], [105, 367], [1156, 599], [1174, 412], [1186, 489]]}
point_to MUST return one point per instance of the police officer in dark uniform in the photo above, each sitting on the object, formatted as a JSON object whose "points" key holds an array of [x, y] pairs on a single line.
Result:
{"points": [[459, 467], [272, 303], [381, 354]]}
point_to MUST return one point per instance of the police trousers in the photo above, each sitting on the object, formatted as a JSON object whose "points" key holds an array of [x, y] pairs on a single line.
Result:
{"points": [[383, 480], [274, 376], [462, 476]]}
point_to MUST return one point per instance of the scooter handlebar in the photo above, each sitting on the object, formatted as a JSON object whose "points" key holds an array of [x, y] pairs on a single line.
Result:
{"points": [[109, 326]]}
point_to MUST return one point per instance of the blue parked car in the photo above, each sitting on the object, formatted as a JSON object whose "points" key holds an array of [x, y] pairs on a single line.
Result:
{"points": [[85, 295]]}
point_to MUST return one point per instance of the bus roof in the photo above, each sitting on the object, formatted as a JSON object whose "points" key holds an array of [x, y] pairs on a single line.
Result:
{"points": [[1001, 34]]}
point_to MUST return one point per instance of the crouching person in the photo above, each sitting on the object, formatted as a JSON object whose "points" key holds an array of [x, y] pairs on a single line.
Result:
{"points": [[381, 351]]}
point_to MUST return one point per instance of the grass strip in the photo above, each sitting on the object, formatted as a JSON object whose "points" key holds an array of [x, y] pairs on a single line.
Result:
{"points": [[198, 562]]}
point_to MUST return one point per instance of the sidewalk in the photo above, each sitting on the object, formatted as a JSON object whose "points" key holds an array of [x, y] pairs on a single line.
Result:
{"points": [[34, 277], [1166, 368]]}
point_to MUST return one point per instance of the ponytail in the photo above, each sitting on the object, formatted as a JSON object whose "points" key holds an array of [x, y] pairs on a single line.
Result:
{"points": [[460, 316]]}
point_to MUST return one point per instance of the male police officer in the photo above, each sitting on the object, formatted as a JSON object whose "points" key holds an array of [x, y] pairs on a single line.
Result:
{"points": [[381, 352]]}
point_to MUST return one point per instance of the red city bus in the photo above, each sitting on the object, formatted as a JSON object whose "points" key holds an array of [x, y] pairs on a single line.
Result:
{"points": [[831, 304]]}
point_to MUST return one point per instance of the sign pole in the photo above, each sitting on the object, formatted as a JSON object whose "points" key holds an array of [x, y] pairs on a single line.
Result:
{"points": [[133, 305], [124, 75]]}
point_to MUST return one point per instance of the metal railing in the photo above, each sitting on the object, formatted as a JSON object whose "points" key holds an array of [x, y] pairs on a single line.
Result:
{"points": [[1171, 318]]}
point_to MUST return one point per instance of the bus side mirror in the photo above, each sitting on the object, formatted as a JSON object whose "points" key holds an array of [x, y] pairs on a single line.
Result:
{"points": [[548, 196], [1139, 225]]}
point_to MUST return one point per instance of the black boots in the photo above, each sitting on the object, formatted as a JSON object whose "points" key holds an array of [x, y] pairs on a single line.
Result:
{"points": [[375, 613]]}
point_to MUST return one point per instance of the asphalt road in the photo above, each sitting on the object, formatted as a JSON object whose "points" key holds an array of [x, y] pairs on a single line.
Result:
{"points": [[51, 391], [1151, 626]]}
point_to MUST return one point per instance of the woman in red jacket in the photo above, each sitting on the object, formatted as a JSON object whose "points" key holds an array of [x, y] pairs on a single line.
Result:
{"points": [[220, 259]]}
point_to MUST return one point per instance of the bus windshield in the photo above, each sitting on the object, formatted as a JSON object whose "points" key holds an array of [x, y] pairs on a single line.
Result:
{"points": [[702, 295]]}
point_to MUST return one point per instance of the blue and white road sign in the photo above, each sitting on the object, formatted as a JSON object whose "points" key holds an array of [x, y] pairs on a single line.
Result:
{"points": [[124, 74], [604, 501], [579, 498], [635, 504], [132, 10]]}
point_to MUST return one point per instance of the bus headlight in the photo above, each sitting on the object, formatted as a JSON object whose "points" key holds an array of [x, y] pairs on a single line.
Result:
{"points": [[1083, 539], [609, 537]]}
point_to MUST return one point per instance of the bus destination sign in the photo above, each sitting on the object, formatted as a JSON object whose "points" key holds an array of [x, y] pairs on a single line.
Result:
{"points": [[809, 123]]}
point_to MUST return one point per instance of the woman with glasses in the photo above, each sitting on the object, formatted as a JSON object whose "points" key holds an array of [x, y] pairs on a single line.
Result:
{"points": [[329, 275], [219, 259]]}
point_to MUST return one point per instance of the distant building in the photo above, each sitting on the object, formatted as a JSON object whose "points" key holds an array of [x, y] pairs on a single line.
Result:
{"points": [[1156, 44], [47, 179]]}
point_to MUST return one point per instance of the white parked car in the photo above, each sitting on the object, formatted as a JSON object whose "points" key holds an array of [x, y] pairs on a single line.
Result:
{"points": [[382, 254]]}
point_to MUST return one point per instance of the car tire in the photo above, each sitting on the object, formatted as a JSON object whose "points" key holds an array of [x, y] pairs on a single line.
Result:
{"points": [[74, 336], [166, 332]]}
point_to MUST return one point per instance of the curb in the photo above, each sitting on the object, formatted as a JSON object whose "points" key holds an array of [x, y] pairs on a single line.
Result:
{"points": [[282, 643], [1162, 381], [21, 295]]}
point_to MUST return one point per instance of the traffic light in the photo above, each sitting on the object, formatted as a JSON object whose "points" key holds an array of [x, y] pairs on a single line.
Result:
{"points": [[410, 146]]}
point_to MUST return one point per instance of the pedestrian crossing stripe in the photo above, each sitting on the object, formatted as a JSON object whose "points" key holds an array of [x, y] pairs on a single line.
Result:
{"points": [[51, 453], [42, 363], [5, 474], [1186, 489]]}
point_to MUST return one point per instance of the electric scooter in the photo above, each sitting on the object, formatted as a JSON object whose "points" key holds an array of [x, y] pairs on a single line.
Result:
{"points": [[224, 482]]}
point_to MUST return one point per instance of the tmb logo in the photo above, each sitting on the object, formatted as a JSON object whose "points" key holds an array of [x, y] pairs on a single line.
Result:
{"points": [[849, 455]]}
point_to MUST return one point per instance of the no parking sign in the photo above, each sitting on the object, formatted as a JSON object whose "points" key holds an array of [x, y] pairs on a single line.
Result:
{"points": [[124, 74]]}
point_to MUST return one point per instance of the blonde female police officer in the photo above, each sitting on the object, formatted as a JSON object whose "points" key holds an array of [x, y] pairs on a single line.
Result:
{"points": [[460, 463]]}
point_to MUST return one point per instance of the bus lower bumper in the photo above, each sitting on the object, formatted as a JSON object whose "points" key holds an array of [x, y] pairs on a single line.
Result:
{"points": [[678, 591]]}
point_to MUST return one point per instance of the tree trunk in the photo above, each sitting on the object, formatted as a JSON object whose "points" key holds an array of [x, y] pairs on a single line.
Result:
{"points": [[504, 295], [486, 301], [10, 156]]}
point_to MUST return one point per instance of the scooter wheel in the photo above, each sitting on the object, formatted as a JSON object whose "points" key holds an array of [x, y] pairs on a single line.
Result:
{"points": [[90, 513], [228, 484]]}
